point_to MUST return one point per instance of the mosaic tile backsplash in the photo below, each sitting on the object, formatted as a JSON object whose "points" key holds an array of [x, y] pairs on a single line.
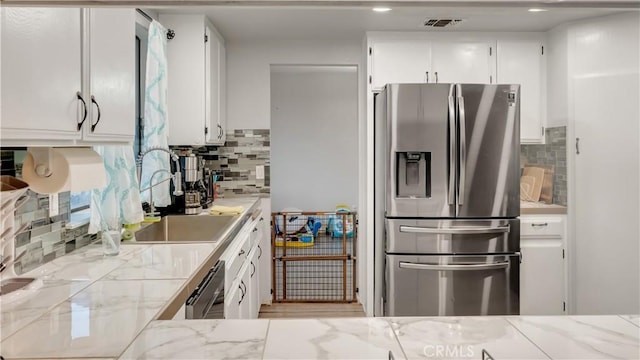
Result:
{"points": [[236, 162], [554, 152], [45, 237]]}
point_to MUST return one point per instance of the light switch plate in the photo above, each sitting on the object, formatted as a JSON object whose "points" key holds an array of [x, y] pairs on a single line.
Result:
{"points": [[259, 172], [53, 205]]}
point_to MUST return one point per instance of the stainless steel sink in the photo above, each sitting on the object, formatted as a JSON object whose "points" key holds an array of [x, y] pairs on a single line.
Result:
{"points": [[185, 228], [11, 285]]}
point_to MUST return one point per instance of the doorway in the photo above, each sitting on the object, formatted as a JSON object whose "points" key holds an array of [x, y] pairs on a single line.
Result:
{"points": [[314, 163]]}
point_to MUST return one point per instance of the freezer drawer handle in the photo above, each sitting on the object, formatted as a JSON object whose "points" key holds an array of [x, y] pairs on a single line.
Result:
{"points": [[416, 266], [462, 231]]}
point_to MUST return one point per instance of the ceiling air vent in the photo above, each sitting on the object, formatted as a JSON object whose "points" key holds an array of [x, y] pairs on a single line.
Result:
{"points": [[440, 23]]}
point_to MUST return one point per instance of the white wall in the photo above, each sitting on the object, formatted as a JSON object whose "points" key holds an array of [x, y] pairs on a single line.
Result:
{"points": [[314, 137], [248, 72], [604, 88]]}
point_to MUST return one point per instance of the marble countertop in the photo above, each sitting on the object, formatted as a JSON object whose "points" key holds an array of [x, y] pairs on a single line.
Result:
{"points": [[534, 208], [86, 304], [518, 337]]}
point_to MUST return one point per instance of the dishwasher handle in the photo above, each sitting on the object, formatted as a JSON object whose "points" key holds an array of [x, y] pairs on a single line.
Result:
{"points": [[457, 267], [455, 230], [206, 293]]}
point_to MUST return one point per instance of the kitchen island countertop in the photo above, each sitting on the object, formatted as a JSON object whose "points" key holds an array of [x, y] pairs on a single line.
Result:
{"points": [[503, 337], [86, 305]]}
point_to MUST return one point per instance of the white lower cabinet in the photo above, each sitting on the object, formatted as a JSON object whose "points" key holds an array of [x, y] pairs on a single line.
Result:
{"points": [[264, 255], [232, 301], [543, 268], [254, 279], [245, 284], [242, 284]]}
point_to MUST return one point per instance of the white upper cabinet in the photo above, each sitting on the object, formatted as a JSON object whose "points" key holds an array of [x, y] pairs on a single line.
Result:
{"points": [[461, 62], [215, 87], [53, 61], [399, 62], [111, 75], [492, 58], [196, 66], [522, 62], [40, 74], [185, 67]]}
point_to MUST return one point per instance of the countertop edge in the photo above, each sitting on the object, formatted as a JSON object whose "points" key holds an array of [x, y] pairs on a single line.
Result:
{"points": [[543, 211]]}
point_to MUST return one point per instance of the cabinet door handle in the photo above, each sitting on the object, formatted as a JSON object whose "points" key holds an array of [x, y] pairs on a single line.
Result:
{"points": [[436, 73], [255, 229], [259, 254], [219, 132], [93, 101], [84, 107], [241, 252], [427, 74], [577, 146], [253, 270], [243, 291]]}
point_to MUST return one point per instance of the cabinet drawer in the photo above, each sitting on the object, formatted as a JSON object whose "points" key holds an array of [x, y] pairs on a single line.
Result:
{"points": [[237, 258], [542, 227], [257, 230]]}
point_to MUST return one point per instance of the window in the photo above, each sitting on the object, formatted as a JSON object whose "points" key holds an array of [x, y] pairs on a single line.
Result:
{"points": [[80, 201], [141, 64]]}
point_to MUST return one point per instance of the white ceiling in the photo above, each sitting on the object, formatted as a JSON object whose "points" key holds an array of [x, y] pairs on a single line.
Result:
{"points": [[253, 23]]}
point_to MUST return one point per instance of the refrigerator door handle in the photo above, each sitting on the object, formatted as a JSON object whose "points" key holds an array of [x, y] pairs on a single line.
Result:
{"points": [[455, 230], [452, 146], [462, 149], [460, 267]]}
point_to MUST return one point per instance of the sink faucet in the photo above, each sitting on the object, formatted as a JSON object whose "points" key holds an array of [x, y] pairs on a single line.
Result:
{"points": [[152, 208], [177, 176]]}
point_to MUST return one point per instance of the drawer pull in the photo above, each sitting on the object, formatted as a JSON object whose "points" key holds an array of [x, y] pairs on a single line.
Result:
{"points": [[540, 225], [241, 252]]}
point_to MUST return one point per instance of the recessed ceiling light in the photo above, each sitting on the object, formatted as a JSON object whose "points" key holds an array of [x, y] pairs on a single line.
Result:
{"points": [[537, 10], [381, 9]]}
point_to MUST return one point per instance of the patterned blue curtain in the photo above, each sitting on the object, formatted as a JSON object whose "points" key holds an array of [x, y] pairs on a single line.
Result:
{"points": [[119, 202], [155, 116]]}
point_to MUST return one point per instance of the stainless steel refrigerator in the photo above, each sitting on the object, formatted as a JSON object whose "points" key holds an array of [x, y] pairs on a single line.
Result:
{"points": [[447, 200]]}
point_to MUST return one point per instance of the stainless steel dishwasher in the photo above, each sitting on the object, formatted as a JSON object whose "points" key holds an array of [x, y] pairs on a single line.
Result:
{"points": [[207, 300]]}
